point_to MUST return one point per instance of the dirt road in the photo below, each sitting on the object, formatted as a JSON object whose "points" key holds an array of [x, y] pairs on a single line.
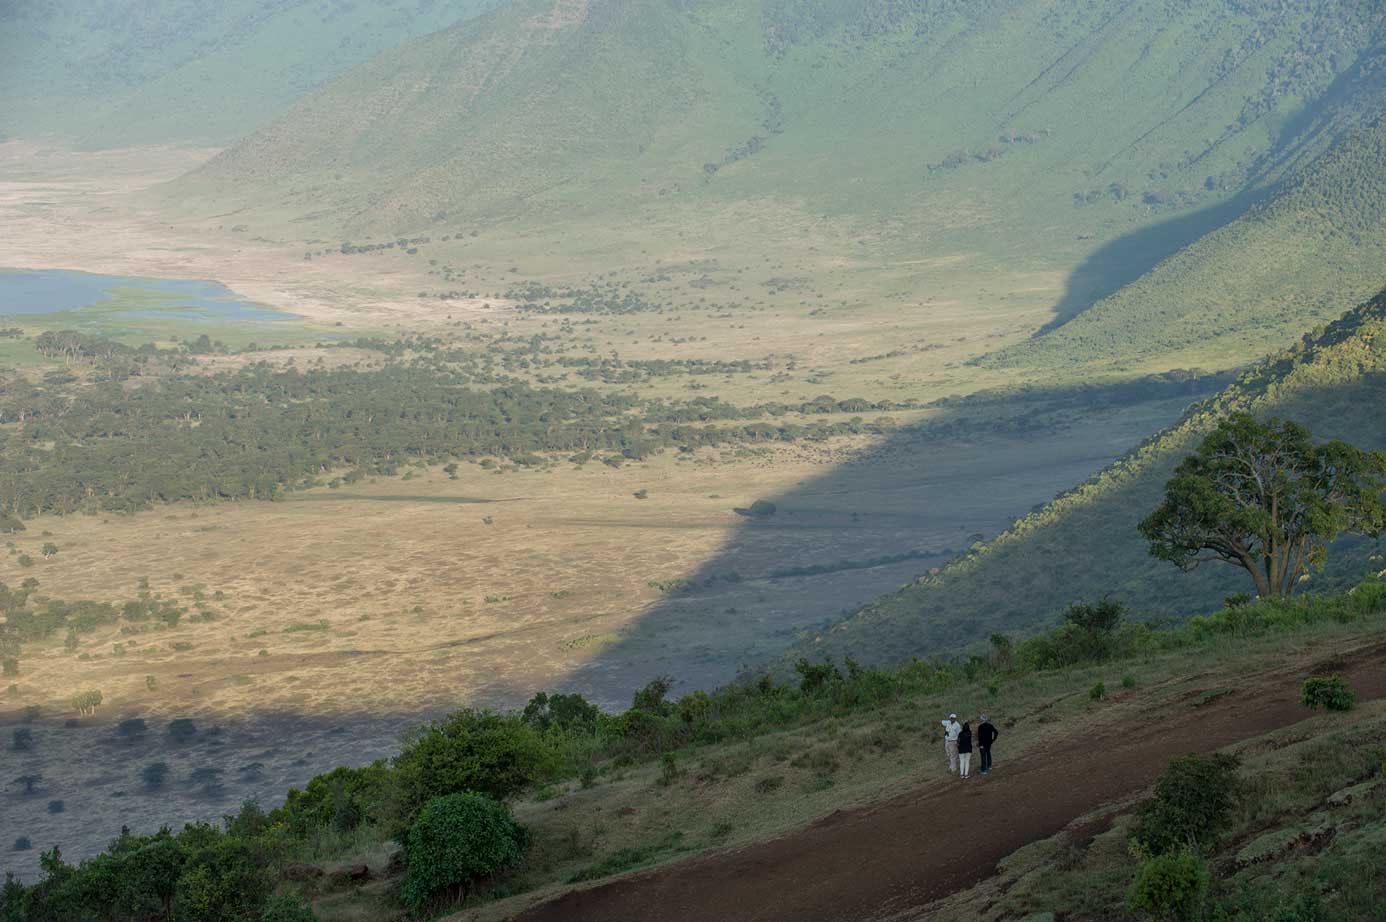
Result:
{"points": [[906, 852]]}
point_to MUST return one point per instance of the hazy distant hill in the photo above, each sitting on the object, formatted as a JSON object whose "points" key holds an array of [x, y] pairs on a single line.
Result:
{"points": [[1007, 129], [118, 72], [1085, 544], [926, 111]]}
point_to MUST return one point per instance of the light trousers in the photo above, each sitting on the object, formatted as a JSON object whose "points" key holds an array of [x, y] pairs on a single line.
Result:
{"points": [[950, 749], [966, 759]]}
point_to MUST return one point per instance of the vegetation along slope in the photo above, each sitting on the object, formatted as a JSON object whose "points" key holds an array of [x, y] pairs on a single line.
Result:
{"points": [[1085, 542]]}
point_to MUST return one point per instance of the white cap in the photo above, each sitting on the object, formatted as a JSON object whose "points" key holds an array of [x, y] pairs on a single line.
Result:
{"points": [[952, 716]]}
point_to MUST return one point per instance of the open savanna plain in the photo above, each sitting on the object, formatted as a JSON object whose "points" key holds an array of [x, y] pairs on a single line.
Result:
{"points": [[373, 604], [377, 604]]}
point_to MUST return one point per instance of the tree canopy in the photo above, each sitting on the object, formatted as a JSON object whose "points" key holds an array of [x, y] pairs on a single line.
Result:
{"points": [[1264, 497]]}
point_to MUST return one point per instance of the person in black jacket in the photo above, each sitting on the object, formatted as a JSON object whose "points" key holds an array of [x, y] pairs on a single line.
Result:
{"points": [[986, 735], [965, 750]]}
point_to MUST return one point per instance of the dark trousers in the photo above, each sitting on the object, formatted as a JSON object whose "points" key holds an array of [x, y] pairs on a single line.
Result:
{"points": [[986, 758]]}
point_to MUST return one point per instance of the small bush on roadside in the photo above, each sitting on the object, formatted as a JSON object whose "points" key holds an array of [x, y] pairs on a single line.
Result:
{"points": [[1170, 887], [1328, 692], [1192, 802], [457, 841], [1097, 692]]}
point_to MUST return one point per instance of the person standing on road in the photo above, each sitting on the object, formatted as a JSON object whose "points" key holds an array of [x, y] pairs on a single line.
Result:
{"points": [[986, 735], [965, 750], [951, 729]]}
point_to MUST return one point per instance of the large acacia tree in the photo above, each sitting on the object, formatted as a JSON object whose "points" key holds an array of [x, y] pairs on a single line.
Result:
{"points": [[1264, 497]]}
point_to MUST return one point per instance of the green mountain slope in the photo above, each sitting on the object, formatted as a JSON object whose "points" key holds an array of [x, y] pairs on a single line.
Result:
{"points": [[916, 120], [1317, 241], [1084, 544], [116, 72]]}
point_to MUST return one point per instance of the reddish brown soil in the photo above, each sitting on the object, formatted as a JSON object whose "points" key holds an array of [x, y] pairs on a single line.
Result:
{"points": [[929, 843]]}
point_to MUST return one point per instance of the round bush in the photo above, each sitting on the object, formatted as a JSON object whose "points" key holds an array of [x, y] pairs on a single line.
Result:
{"points": [[496, 755], [458, 840], [1328, 692], [1170, 887]]}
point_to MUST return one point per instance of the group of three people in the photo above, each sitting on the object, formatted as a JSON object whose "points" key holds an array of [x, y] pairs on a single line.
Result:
{"points": [[958, 742]]}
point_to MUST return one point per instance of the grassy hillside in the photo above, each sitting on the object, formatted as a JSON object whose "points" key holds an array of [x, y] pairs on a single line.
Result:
{"points": [[1085, 543], [936, 114], [947, 140], [122, 73], [1318, 240]]}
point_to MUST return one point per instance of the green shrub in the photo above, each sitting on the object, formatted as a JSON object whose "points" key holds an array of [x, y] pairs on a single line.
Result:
{"points": [[492, 754], [1128, 681], [456, 841], [653, 698], [669, 770], [1170, 887], [285, 907], [815, 676], [1192, 801], [1328, 692], [568, 713], [341, 799], [762, 508], [1097, 692]]}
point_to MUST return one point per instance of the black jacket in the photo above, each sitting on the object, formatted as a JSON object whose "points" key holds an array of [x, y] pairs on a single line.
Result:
{"points": [[986, 735], [965, 740]]}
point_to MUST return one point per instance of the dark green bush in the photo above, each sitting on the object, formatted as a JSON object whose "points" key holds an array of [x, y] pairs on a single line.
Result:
{"points": [[1328, 692], [1192, 801], [341, 799], [1170, 887], [285, 907], [457, 841], [568, 713], [654, 696], [815, 676], [492, 754]]}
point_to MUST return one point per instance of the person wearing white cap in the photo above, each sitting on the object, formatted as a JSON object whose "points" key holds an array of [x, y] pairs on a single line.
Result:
{"points": [[951, 729]]}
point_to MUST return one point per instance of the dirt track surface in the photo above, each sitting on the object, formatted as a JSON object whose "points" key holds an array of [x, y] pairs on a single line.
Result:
{"points": [[916, 848]]}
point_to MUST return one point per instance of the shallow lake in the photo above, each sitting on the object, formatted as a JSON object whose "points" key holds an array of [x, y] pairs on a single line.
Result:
{"points": [[52, 291]]}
